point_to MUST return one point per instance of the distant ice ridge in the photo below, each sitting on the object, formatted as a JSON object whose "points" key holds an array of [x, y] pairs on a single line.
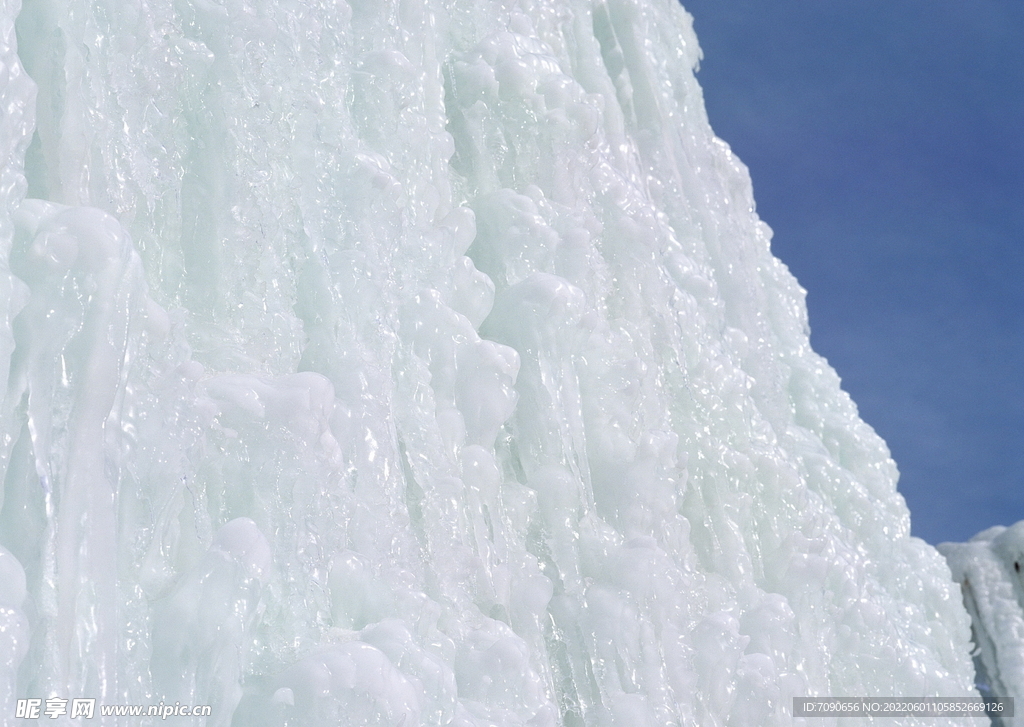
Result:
{"points": [[421, 363], [990, 570]]}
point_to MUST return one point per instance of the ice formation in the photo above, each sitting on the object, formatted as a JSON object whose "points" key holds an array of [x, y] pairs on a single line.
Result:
{"points": [[989, 569], [421, 362]]}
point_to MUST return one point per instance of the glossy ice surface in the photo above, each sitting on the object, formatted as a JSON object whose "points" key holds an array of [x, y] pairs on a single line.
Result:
{"points": [[421, 363]]}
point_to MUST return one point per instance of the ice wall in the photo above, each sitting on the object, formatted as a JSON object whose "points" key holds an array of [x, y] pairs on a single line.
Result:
{"points": [[421, 363], [989, 570]]}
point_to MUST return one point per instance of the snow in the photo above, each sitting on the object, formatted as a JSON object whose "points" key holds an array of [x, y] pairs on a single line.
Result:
{"points": [[422, 363]]}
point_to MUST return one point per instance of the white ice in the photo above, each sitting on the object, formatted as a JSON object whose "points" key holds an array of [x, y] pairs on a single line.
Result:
{"points": [[990, 570], [421, 362]]}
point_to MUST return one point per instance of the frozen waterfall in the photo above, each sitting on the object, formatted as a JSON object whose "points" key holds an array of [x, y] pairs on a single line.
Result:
{"points": [[421, 362]]}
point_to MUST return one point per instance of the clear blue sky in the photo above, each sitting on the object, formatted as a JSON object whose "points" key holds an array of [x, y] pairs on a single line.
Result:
{"points": [[886, 144]]}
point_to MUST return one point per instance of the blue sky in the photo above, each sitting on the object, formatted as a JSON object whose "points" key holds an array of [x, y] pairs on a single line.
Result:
{"points": [[886, 145]]}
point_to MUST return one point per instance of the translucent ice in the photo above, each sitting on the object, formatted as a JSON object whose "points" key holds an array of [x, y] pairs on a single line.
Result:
{"points": [[421, 363]]}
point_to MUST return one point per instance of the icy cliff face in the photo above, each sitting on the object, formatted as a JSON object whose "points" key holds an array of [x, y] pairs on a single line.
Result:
{"points": [[990, 570], [421, 363]]}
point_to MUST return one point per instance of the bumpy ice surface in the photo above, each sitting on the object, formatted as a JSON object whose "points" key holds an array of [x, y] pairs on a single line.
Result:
{"points": [[421, 362], [990, 570]]}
